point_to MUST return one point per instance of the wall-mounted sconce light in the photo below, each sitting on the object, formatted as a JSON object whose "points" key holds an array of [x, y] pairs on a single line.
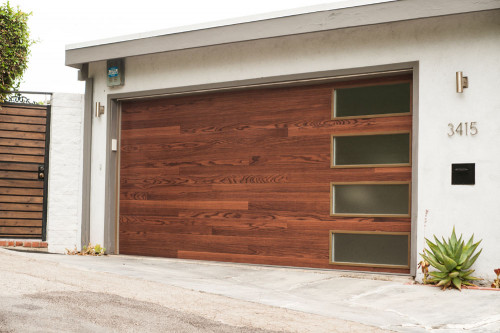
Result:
{"points": [[99, 109], [462, 82]]}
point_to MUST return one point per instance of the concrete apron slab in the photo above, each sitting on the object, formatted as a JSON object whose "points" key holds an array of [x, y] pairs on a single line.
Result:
{"points": [[388, 302]]}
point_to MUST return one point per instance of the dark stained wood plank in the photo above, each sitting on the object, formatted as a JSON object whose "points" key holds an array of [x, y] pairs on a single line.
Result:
{"points": [[246, 132], [19, 175], [22, 143], [20, 215], [22, 151], [141, 169], [291, 217], [18, 236], [136, 164], [291, 206], [147, 133], [17, 111], [21, 191], [22, 158], [352, 126], [224, 195], [22, 127], [21, 207], [22, 120], [22, 135], [19, 167], [252, 146], [141, 182], [184, 204], [21, 199], [20, 230], [21, 183], [20, 223]]}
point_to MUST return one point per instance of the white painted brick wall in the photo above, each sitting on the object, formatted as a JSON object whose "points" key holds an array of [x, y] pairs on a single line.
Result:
{"points": [[65, 173]]}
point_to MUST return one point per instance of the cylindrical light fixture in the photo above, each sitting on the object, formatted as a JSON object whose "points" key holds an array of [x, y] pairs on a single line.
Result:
{"points": [[462, 82]]}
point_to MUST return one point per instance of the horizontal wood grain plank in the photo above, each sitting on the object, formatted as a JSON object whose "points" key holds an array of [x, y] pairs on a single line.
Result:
{"points": [[209, 134], [21, 207], [20, 215], [21, 158], [21, 199], [184, 204], [291, 206], [21, 230], [22, 120], [141, 182], [352, 126], [22, 151], [20, 223], [17, 111], [22, 135], [18, 174], [150, 170], [131, 165], [22, 127], [21, 183], [252, 146], [18, 236], [19, 167], [290, 217], [158, 133], [227, 195], [22, 143], [21, 191]]}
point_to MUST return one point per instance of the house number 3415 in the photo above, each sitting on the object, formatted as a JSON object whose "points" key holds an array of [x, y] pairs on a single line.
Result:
{"points": [[463, 129]]}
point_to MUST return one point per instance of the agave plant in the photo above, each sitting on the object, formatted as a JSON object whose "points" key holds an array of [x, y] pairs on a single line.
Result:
{"points": [[453, 260]]}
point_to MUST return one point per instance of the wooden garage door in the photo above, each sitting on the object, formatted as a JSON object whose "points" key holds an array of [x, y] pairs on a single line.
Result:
{"points": [[249, 176], [23, 166]]}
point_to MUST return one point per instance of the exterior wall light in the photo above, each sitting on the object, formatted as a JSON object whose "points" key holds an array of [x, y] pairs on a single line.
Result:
{"points": [[99, 109], [462, 82]]}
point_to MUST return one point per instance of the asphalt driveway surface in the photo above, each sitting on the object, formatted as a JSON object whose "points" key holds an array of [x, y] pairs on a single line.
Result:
{"points": [[56, 293]]}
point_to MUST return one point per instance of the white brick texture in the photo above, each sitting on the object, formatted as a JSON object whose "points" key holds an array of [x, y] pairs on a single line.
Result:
{"points": [[65, 173]]}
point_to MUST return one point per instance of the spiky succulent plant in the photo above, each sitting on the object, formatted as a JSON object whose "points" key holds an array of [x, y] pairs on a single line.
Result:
{"points": [[453, 260]]}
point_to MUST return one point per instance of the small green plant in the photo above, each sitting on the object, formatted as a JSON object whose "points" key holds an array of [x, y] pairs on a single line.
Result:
{"points": [[88, 250], [453, 260], [496, 282]]}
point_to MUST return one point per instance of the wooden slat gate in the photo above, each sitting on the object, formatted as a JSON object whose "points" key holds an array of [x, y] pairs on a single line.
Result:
{"points": [[24, 144]]}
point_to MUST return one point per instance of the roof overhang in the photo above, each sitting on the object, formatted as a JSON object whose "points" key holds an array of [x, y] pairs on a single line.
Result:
{"points": [[345, 14]]}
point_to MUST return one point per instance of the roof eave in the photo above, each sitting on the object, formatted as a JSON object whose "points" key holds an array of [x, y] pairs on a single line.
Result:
{"points": [[270, 26]]}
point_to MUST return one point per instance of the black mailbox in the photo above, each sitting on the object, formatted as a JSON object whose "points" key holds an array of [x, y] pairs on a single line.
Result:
{"points": [[463, 174]]}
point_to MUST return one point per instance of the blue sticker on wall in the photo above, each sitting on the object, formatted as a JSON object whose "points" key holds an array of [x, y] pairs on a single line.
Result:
{"points": [[113, 71]]}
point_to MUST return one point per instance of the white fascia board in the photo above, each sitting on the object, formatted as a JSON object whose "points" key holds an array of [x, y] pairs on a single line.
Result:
{"points": [[339, 15]]}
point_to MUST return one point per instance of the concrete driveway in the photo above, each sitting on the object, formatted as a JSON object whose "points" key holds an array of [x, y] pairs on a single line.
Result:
{"points": [[252, 297]]}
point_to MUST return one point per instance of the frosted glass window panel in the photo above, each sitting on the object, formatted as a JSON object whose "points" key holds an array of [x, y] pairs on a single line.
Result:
{"points": [[371, 149], [371, 199], [372, 100], [378, 249]]}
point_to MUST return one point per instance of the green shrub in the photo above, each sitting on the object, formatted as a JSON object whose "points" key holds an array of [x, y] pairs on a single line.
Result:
{"points": [[15, 46], [453, 260]]}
